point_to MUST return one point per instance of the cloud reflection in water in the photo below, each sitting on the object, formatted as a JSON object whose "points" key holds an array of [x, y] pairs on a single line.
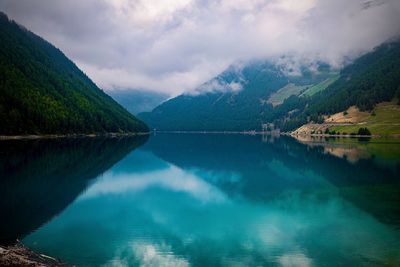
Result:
{"points": [[180, 215]]}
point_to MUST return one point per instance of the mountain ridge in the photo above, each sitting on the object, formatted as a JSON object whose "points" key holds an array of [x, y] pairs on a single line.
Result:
{"points": [[44, 92], [370, 79], [232, 101]]}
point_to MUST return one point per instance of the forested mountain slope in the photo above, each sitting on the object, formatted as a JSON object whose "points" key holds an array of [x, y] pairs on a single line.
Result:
{"points": [[43, 92], [371, 79], [235, 100], [267, 94]]}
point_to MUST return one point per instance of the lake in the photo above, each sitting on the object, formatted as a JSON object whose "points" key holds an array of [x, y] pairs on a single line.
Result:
{"points": [[204, 200]]}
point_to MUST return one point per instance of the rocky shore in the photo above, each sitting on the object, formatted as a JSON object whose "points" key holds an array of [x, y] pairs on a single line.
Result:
{"points": [[19, 255]]}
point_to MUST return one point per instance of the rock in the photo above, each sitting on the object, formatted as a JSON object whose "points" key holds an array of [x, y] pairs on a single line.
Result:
{"points": [[19, 255]]}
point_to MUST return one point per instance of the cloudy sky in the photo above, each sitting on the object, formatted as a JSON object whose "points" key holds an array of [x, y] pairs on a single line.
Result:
{"points": [[175, 45]]}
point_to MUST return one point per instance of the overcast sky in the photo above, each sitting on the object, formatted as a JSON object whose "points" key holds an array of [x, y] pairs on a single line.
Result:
{"points": [[175, 45]]}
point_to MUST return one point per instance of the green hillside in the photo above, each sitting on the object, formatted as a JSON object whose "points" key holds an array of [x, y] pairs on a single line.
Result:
{"points": [[279, 96], [384, 120], [268, 94], [224, 109], [43, 92], [221, 109], [320, 86], [371, 79]]}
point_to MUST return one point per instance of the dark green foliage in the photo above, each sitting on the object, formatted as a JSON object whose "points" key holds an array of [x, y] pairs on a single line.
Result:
{"points": [[223, 109], [372, 78], [363, 131], [327, 131], [43, 92], [227, 110]]}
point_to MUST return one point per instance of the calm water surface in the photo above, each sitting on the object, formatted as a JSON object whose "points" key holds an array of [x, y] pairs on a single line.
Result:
{"points": [[204, 200]]}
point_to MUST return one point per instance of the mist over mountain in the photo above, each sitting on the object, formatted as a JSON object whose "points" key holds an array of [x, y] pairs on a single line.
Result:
{"points": [[243, 98], [175, 46], [235, 100], [137, 101], [269, 133]]}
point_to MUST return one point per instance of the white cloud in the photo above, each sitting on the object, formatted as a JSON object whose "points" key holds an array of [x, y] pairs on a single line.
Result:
{"points": [[175, 46], [216, 85]]}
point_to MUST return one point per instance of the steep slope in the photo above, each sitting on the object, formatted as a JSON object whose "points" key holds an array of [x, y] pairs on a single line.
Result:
{"points": [[137, 101], [321, 86], [243, 99], [43, 92], [233, 101], [371, 79]]}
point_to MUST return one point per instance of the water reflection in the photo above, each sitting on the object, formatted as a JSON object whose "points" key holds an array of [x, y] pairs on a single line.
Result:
{"points": [[220, 200], [171, 179], [40, 178]]}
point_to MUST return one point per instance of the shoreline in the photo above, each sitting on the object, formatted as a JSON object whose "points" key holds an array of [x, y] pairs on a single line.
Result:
{"points": [[279, 134], [20, 255], [118, 135], [57, 136], [338, 135]]}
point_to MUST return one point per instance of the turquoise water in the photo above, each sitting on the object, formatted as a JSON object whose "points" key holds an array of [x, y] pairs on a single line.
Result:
{"points": [[204, 200]]}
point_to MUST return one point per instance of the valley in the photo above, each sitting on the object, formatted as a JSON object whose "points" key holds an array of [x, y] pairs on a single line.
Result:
{"points": [[269, 95], [188, 133]]}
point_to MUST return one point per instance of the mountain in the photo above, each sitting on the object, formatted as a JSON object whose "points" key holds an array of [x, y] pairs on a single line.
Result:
{"points": [[371, 79], [235, 100], [137, 101], [260, 92], [43, 92]]}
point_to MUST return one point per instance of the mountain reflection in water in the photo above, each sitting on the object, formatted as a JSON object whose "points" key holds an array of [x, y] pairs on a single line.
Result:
{"points": [[223, 200], [40, 178]]}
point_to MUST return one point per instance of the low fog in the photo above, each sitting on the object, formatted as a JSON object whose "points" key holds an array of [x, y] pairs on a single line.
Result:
{"points": [[175, 46]]}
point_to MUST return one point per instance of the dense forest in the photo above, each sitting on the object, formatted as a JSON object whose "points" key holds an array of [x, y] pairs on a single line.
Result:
{"points": [[43, 92], [370, 79], [233, 101]]}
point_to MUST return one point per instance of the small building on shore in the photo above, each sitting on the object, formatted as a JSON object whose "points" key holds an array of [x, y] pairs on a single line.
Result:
{"points": [[269, 128]]}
